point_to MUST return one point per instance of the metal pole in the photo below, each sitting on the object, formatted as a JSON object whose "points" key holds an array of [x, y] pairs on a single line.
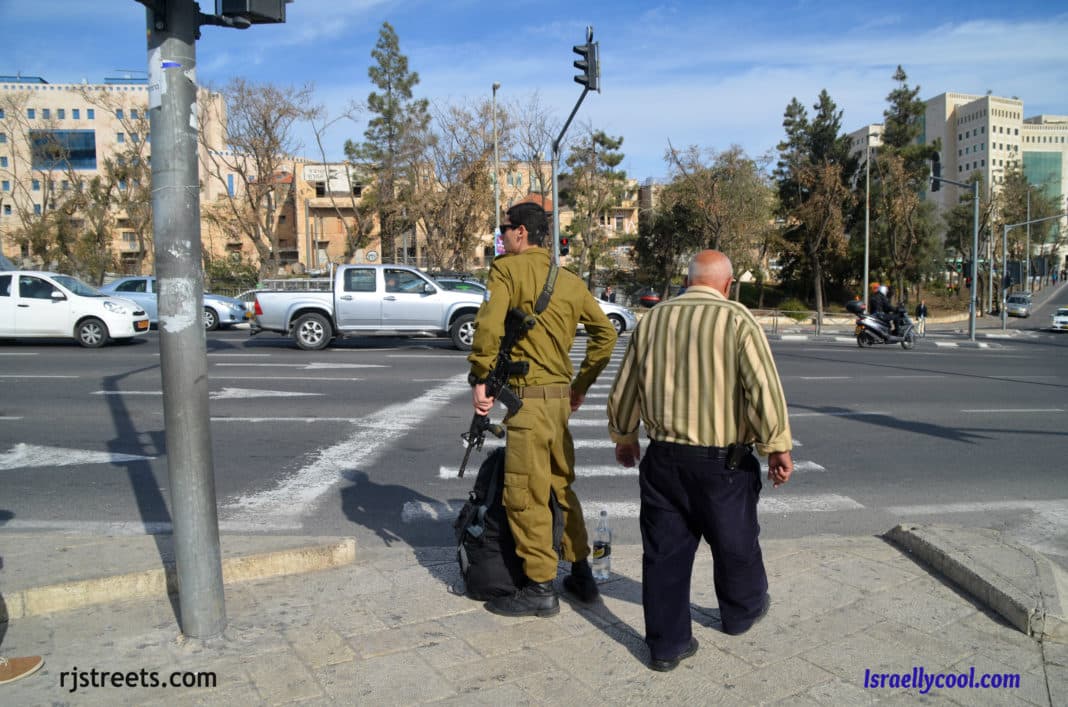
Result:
{"points": [[1005, 267], [867, 219], [973, 290], [556, 167], [183, 354], [1027, 248], [496, 172]]}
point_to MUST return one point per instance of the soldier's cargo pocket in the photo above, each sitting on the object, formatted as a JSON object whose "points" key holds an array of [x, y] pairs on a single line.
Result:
{"points": [[516, 494]]}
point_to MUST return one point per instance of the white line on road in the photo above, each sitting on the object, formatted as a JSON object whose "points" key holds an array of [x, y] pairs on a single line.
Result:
{"points": [[26, 375], [421, 511], [317, 366], [9, 417], [373, 436], [128, 392], [1014, 410], [835, 414], [825, 378], [246, 393], [980, 507], [285, 419], [23, 456], [130, 527], [310, 379]]}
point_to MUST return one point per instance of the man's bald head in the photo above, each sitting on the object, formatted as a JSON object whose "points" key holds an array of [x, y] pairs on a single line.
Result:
{"points": [[711, 268]]}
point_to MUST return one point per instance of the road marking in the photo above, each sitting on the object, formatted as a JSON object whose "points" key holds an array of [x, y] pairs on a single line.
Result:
{"points": [[285, 419], [825, 378], [835, 414], [316, 366], [1015, 410], [310, 379], [26, 375], [130, 527], [19, 353], [24, 456], [373, 436], [422, 511], [244, 393], [1050, 505], [239, 353], [9, 417], [128, 392]]}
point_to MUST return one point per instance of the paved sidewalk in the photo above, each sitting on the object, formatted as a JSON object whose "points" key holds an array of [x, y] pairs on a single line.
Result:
{"points": [[384, 629]]}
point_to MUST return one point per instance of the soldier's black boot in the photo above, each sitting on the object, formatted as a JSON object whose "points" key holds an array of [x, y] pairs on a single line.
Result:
{"points": [[581, 582], [535, 599]]}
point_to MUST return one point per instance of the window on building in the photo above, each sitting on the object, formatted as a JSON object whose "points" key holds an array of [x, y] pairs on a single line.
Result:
{"points": [[619, 223], [2, 116], [133, 113], [54, 149], [3, 138], [35, 185], [90, 113], [134, 137], [37, 209], [76, 113], [31, 113], [61, 113], [46, 114], [5, 186], [118, 113], [122, 185], [7, 209], [3, 161], [120, 138]]}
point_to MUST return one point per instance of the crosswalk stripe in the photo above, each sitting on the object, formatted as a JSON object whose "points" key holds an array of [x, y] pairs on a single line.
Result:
{"points": [[423, 511]]}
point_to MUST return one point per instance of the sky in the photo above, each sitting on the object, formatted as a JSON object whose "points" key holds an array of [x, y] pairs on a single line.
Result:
{"points": [[712, 74]]}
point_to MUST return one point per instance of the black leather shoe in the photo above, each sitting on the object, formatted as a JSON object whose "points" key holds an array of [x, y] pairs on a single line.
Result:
{"points": [[665, 666], [535, 599], [761, 615], [581, 582]]}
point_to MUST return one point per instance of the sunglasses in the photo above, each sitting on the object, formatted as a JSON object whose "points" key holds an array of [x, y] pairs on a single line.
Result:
{"points": [[507, 226]]}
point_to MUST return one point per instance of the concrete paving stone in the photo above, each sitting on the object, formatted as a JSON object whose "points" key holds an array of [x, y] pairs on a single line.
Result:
{"points": [[507, 694], [233, 695], [1057, 683], [319, 646], [716, 665], [598, 657], [867, 575], [835, 692], [928, 649], [488, 673], [362, 579], [849, 657], [1032, 687], [282, 677], [682, 686], [1004, 643], [918, 605], [781, 680], [350, 620], [447, 652], [1055, 653], [813, 593], [410, 605], [517, 634], [557, 688], [396, 679], [577, 618], [400, 639]]}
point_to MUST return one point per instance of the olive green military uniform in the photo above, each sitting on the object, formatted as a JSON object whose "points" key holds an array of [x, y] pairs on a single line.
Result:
{"points": [[540, 455]]}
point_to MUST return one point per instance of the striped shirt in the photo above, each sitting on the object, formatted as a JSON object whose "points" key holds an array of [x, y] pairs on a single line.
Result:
{"points": [[698, 370]]}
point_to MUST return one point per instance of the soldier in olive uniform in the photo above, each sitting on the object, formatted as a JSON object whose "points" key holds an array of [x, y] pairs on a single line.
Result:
{"points": [[540, 453]]}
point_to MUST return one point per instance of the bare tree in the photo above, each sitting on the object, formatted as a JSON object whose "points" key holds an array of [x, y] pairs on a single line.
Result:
{"points": [[526, 133], [354, 213], [258, 145], [823, 214]]}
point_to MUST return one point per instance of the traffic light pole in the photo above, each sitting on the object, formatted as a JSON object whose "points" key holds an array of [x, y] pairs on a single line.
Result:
{"points": [[973, 297], [172, 31], [556, 169]]}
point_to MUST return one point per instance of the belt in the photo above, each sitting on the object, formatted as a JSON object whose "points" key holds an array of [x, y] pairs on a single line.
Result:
{"points": [[543, 392], [695, 450]]}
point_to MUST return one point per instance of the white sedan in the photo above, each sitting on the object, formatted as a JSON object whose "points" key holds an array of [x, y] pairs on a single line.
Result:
{"points": [[37, 304], [1059, 320]]}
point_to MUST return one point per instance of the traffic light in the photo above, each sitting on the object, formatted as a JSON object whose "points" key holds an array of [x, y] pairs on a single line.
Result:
{"points": [[936, 172], [589, 64], [565, 245]]}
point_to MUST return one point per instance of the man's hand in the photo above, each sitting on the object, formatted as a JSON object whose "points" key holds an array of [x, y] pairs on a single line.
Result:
{"points": [[483, 404], [628, 453], [780, 466], [576, 399]]}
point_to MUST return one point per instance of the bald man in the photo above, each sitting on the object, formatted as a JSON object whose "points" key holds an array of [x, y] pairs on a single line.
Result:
{"points": [[698, 373]]}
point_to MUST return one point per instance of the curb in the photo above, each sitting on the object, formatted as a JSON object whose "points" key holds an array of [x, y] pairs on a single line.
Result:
{"points": [[65, 596], [994, 571]]}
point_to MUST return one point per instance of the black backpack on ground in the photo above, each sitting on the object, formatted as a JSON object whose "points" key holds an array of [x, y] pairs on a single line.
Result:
{"points": [[485, 547]]}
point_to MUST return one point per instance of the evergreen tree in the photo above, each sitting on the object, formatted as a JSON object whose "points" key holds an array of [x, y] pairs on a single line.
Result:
{"points": [[594, 185], [394, 139]]}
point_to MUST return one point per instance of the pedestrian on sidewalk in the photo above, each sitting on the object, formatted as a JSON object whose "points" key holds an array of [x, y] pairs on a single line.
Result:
{"points": [[921, 317], [12, 669], [699, 374], [540, 453]]}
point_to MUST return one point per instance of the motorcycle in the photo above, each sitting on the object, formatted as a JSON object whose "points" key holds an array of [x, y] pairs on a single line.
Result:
{"points": [[871, 330]]}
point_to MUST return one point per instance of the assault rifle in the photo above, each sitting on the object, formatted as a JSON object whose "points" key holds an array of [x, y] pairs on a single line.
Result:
{"points": [[516, 324]]}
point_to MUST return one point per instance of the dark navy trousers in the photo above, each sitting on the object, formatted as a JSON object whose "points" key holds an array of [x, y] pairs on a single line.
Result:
{"points": [[687, 494]]}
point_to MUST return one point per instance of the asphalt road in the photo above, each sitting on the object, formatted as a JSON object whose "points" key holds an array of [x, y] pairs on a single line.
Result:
{"points": [[363, 438]]}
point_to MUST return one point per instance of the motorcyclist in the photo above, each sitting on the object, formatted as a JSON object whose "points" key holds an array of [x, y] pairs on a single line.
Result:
{"points": [[882, 308]]}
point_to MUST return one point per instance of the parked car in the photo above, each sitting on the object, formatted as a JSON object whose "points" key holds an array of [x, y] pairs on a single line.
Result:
{"points": [[1059, 320], [1018, 305], [369, 300], [219, 311], [622, 318], [35, 304]]}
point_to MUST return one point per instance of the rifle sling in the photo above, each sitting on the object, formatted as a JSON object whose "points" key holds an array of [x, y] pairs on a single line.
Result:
{"points": [[547, 291]]}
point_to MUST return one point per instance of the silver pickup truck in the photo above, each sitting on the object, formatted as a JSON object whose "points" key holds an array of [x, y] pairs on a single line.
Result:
{"points": [[368, 300]]}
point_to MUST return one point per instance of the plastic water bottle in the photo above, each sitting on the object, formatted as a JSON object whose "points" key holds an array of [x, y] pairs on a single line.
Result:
{"points": [[602, 549]]}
